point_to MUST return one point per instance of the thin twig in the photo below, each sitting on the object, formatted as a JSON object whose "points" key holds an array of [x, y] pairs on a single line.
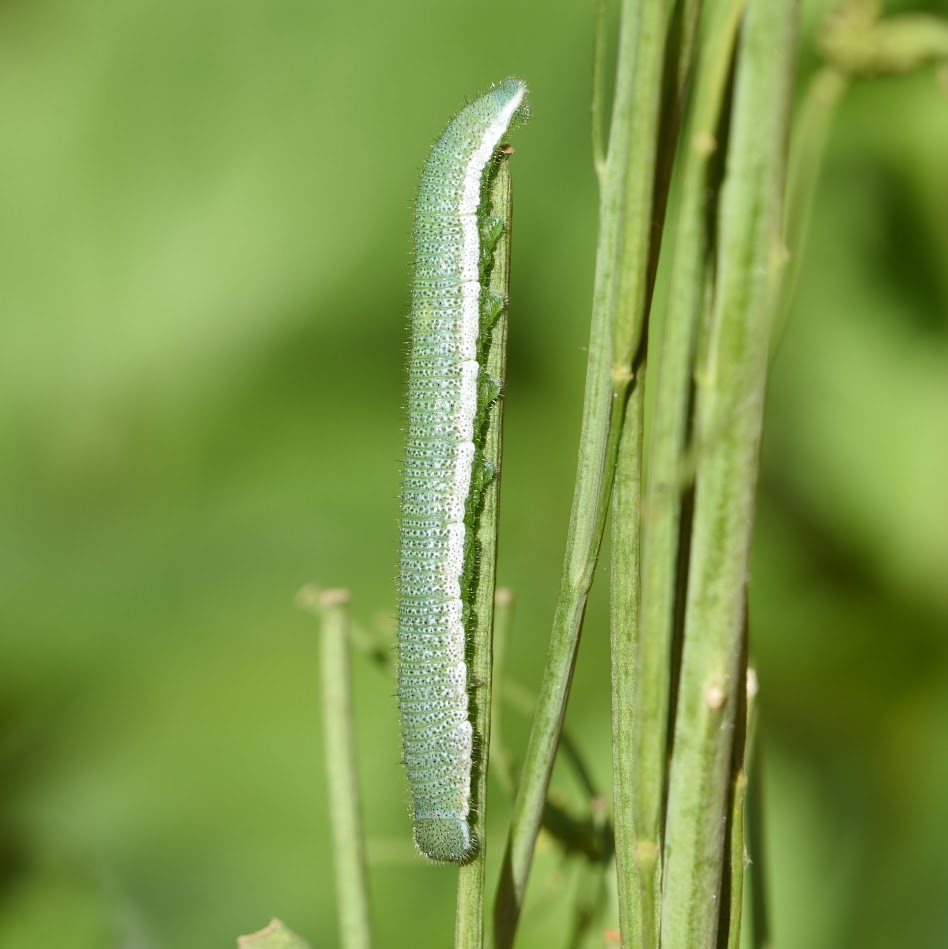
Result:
{"points": [[344, 803]]}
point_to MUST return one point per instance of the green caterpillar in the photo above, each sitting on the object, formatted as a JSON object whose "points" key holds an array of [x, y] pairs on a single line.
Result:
{"points": [[444, 472]]}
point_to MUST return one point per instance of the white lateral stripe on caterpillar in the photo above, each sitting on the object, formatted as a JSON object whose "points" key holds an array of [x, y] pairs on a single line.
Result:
{"points": [[448, 304]]}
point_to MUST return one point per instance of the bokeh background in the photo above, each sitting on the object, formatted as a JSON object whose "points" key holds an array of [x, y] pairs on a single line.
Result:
{"points": [[204, 264]]}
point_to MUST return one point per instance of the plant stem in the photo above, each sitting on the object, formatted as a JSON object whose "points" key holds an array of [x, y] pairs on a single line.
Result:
{"points": [[599, 87], [636, 917], [759, 920], [736, 822], [525, 702], [811, 131], [344, 807], [592, 897], [729, 416], [469, 927], [687, 19], [503, 768], [654, 83], [642, 750], [855, 42], [619, 296]]}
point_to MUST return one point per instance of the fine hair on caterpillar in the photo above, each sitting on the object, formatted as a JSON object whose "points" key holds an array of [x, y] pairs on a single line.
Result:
{"points": [[445, 474]]}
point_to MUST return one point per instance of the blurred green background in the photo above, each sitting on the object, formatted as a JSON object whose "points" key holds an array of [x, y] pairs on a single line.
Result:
{"points": [[204, 255]]}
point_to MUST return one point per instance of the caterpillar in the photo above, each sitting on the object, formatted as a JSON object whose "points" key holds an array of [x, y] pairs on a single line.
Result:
{"points": [[444, 471]]}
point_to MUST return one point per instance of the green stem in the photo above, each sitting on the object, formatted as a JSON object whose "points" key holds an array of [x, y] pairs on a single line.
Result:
{"points": [[619, 295], [664, 63], [599, 87], [759, 921], [469, 927], [855, 42], [525, 702], [860, 42], [344, 807], [729, 415], [372, 644], [592, 898], [737, 860], [687, 18], [642, 749], [503, 768], [682, 35], [630, 217], [636, 918], [811, 131]]}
